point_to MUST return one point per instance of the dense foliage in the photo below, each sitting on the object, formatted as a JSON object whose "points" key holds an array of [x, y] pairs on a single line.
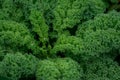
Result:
{"points": [[102, 69], [15, 65], [59, 69], [59, 39]]}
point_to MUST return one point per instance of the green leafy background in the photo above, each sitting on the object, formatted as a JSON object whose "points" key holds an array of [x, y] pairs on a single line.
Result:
{"points": [[59, 39]]}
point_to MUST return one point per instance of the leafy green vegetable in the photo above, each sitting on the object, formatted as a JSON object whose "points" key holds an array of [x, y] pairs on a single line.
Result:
{"points": [[62, 69], [102, 69], [16, 37], [15, 66], [60, 39]]}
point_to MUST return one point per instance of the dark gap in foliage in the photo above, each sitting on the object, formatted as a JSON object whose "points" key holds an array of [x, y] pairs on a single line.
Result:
{"points": [[119, 7], [4, 78], [117, 58], [60, 54], [34, 1], [106, 10], [110, 4], [50, 27], [113, 6], [36, 36], [52, 35], [23, 49], [30, 51], [73, 30], [52, 38], [40, 44], [29, 25], [31, 77], [0, 4]]}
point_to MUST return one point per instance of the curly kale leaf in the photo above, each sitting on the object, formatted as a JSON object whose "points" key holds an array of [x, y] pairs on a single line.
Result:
{"points": [[15, 66], [62, 69], [103, 68], [68, 13], [16, 37]]}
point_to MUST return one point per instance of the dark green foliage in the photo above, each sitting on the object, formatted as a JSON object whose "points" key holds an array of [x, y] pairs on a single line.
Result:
{"points": [[47, 8], [17, 10], [69, 69], [102, 69], [16, 37], [70, 12], [100, 42], [2, 78], [67, 46], [15, 66], [101, 35], [94, 43], [58, 69], [114, 1], [102, 22], [39, 27], [72, 39], [111, 1], [47, 70]]}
